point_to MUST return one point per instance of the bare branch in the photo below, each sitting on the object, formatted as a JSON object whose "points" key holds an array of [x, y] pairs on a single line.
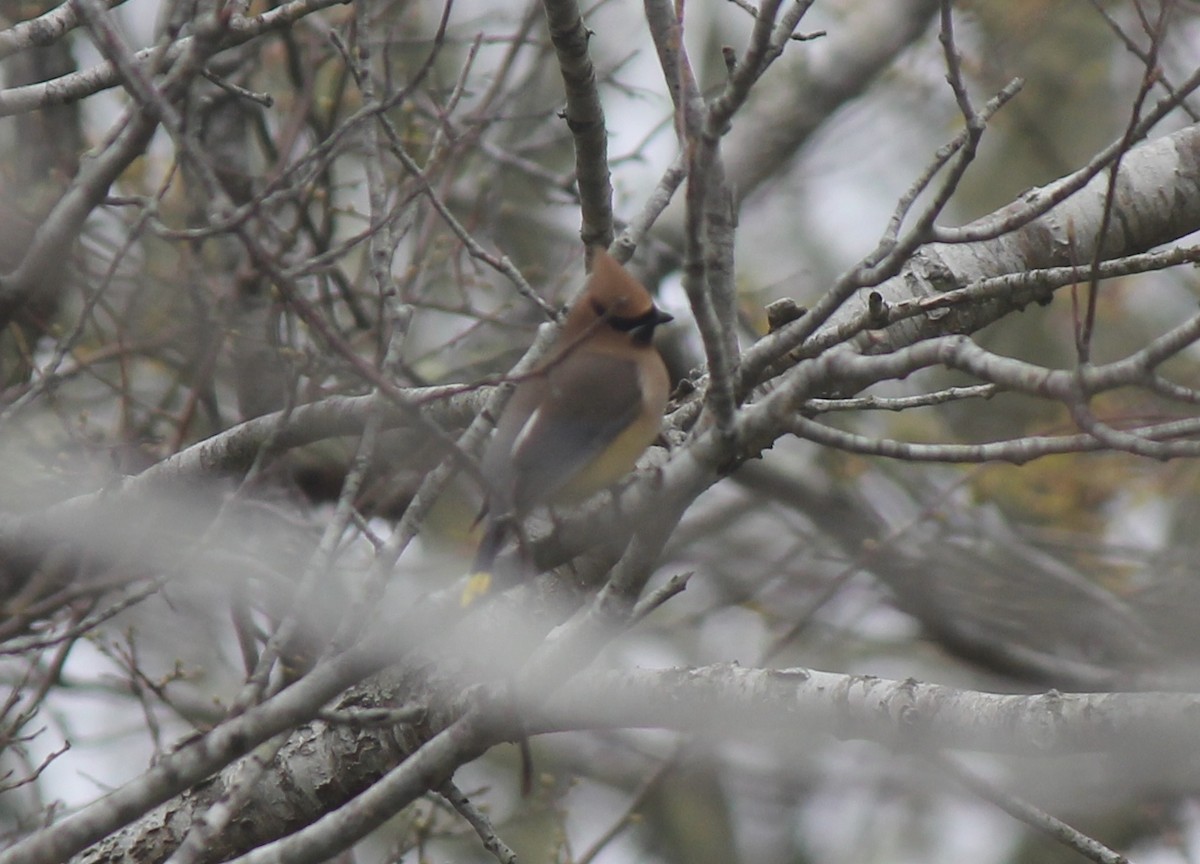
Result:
{"points": [[45, 29], [78, 85], [910, 716], [585, 118]]}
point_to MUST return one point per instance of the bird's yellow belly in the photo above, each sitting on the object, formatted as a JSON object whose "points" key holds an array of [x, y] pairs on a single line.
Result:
{"points": [[615, 462]]}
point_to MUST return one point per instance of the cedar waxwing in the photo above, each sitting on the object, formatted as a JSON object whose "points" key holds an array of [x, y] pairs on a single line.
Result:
{"points": [[580, 421]]}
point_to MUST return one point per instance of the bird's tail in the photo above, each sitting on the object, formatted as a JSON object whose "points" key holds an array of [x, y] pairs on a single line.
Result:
{"points": [[480, 580]]}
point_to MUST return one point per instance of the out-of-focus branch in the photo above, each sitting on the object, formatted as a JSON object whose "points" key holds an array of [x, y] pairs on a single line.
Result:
{"points": [[78, 85], [785, 704], [728, 700], [61, 226], [1035, 817], [80, 520], [45, 29], [478, 820]]}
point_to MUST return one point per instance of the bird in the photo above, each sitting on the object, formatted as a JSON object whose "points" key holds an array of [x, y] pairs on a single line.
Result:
{"points": [[580, 420]]}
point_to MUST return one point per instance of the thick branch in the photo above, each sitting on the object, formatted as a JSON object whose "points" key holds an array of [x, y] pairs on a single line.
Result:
{"points": [[727, 699]]}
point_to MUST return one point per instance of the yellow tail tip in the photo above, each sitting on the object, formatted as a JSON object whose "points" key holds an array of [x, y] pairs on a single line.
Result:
{"points": [[478, 584]]}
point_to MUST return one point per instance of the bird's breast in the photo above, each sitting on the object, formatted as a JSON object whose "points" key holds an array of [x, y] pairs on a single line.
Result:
{"points": [[619, 457]]}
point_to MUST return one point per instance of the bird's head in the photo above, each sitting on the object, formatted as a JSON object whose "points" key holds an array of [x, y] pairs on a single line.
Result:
{"points": [[617, 300]]}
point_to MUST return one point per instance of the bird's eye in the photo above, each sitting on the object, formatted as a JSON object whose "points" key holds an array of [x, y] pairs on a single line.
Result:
{"points": [[599, 308]]}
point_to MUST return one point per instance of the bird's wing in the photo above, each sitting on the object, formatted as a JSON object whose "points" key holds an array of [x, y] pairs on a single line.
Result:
{"points": [[588, 400]]}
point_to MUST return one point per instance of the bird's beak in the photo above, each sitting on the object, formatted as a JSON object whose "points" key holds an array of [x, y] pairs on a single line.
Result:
{"points": [[643, 333]]}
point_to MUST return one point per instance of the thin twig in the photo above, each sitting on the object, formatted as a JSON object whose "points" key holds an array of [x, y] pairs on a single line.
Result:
{"points": [[1032, 816], [478, 820]]}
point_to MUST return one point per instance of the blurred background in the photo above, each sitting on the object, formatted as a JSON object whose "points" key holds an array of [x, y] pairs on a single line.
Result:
{"points": [[156, 330]]}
